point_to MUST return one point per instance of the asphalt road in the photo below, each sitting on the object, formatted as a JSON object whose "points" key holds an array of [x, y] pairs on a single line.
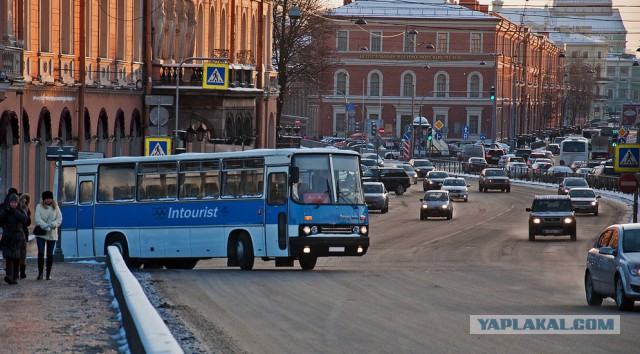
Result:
{"points": [[413, 291]]}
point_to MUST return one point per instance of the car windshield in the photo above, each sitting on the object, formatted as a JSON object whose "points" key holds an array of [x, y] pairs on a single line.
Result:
{"points": [[551, 205], [438, 175], [576, 183], [407, 168], [454, 182], [631, 241], [582, 193], [495, 173], [421, 163], [372, 188], [436, 197]]}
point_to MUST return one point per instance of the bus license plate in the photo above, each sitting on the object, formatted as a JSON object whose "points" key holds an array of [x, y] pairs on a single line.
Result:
{"points": [[336, 249]]}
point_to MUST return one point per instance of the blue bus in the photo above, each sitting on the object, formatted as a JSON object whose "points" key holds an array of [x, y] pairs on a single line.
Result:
{"points": [[275, 204]]}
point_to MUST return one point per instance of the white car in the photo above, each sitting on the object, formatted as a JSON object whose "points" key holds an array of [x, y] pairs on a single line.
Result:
{"points": [[457, 187]]}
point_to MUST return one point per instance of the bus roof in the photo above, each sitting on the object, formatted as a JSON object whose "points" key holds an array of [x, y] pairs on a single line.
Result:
{"points": [[211, 155]]}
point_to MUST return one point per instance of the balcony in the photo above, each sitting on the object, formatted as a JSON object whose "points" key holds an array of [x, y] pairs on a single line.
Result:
{"points": [[9, 68]]}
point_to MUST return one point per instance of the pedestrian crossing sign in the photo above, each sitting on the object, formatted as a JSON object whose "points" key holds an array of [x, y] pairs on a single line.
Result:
{"points": [[627, 158], [216, 76], [157, 146]]}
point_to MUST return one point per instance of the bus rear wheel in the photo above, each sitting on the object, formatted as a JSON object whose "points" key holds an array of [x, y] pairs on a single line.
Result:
{"points": [[119, 242], [244, 252], [308, 262]]}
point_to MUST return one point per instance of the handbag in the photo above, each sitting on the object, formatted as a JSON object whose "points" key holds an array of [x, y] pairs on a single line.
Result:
{"points": [[38, 231]]}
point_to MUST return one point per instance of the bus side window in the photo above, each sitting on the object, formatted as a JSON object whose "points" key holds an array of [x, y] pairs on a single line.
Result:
{"points": [[141, 193], [250, 188], [211, 190], [229, 190], [277, 193]]}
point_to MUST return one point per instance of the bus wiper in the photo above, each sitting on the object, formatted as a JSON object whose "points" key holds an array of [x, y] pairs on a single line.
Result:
{"points": [[344, 196]]}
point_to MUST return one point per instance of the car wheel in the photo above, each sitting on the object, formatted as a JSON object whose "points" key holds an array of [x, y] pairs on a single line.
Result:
{"points": [[400, 189], [450, 215], [466, 200], [508, 190], [595, 213], [424, 189], [532, 235], [593, 299], [622, 302], [385, 209], [573, 235], [422, 217]]}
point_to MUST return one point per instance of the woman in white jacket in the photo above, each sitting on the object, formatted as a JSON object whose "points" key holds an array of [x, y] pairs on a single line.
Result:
{"points": [[48, 217]]}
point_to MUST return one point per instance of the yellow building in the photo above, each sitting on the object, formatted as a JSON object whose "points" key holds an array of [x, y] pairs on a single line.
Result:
{"points": [[89, 73]]}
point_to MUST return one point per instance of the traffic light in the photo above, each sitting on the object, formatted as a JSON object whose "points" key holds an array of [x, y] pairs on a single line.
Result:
{"points": [[492, 93], [429, 133], [357, 126], [374, 128]]}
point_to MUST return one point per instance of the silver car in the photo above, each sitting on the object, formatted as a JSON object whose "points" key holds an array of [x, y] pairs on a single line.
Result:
{"points": [[411, 172], [584, 200], [613, 267], [376, 196], [457, 188]]}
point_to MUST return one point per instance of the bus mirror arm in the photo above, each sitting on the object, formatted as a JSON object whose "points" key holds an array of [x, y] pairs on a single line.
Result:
{"points": [[294, 175]]}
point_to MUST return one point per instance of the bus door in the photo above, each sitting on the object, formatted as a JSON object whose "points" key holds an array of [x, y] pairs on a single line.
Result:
{"points": [[85, 215], [276, 212]]}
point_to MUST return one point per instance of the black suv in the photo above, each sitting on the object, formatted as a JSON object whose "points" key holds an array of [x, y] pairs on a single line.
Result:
{"points": [[494, 178], [394, 179], [551, 215], [493, 156]]}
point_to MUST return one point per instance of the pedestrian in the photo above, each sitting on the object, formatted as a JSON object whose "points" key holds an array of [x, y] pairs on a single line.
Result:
{"points": [[23, 204], [12, 219], [10, 191], [48, 217]]}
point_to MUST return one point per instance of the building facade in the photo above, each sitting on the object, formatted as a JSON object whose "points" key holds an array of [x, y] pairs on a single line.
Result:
{"points": [[399, 61], [89, 73]]}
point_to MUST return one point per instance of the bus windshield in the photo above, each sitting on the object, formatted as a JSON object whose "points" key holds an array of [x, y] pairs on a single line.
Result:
{"points": [[573, 146], [319, 183]]}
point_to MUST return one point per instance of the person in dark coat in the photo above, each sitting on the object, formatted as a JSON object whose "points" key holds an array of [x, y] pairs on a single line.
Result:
{"points": [[23, 204], [12, 219]]}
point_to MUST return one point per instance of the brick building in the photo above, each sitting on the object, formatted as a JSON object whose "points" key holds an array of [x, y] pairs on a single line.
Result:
{"points": [[400, 60], [77, 73]]}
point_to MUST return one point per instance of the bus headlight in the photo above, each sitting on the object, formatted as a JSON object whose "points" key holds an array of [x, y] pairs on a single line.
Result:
{"points": [[314, 230], [306, 230], [363, 230]]}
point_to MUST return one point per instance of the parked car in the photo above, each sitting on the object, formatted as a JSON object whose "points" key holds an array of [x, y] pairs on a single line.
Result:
{"points": [[422, 166], [603, 176], [494, 178], [556, 173], [475, 164], [394, 179], [493, 156], [434, 180], [457, 187], [436, 203], [613, 266], [584, 200], [551, 215], [376, 196], [571, 182], [518, 170], [411, 172]]}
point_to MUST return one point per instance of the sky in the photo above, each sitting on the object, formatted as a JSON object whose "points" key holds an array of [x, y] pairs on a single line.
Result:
{"points": [[629, 9]]}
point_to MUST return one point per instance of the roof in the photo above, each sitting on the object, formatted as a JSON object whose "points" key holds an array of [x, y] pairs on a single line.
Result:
{"points": [[548, 18], [414, 9], [551, 197]]}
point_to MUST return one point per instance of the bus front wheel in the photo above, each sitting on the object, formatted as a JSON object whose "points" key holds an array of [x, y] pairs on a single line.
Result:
{"points": [[244, 252], [308, 262]]}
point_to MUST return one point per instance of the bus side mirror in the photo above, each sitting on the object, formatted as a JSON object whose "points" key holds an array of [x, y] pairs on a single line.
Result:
{"points": [[294, 175]]}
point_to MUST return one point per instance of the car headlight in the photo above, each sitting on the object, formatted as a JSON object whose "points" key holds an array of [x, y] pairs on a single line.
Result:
{"points": [[594, 203], [424, 206], [444, 206], [536, 220], [568, 220], [634, 269]]}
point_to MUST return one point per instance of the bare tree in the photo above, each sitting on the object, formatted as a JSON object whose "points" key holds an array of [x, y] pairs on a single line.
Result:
{"points": [[580, 92], [301, 53]]}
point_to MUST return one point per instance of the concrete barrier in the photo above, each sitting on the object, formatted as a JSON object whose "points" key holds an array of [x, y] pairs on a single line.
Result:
{"points": [[146, 331]]}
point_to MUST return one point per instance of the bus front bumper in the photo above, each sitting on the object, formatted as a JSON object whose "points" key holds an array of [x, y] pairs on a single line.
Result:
{"points": [[320, 246]]}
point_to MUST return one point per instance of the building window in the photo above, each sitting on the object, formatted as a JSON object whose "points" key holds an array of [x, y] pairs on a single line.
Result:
{"points": [[624, 71], [635, 94], [476, 42], [103, 29], [409, 42], [610, 93], [407, 85], [611, 71], [374, 85], [585, 55], [341, 119], [574, 54], [474, 85], [442, 43], [623, 94], [599, 55], [45, 26], [342, 41], [376, 41], [441, 85], [474, 124], [341, 84], [66, 27]]}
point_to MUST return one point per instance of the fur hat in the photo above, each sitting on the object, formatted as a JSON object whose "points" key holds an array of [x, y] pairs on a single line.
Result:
{"points": [[13, 197], [47, 195], [11, 191]]}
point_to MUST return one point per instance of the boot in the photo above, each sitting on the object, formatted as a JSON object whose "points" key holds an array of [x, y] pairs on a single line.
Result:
{"points": [[40, 267], [9, 271], [16, 270], [49, 264], [23, 271]]}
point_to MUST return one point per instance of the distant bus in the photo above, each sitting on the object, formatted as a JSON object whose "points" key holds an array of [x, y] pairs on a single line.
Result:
{"points": [[574, 149], [172, 211]]}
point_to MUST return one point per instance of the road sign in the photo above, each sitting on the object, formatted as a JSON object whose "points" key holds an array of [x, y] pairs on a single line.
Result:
{"points": [[628, 183], [465, 130], [216, 76], [438, 136], [439, 124], [158, 100], [622, 140], [627, 157], [622, 132], [465, 136], [157, 146], [381, 130], [351, 107], [406, 136], [483, 137]]}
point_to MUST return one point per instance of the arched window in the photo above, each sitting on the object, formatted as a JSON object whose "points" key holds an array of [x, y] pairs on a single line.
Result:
{"points": [[374, 85], [341, 83], [441, 85], [407, 85], [474, 85]]}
